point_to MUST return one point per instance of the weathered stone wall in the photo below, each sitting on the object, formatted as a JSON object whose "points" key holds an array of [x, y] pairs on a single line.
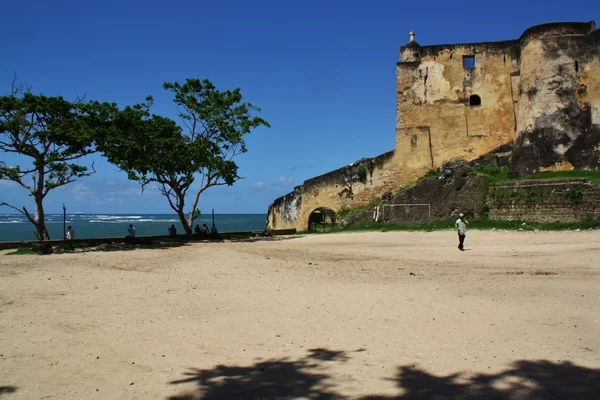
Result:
{"points": [[435, 94], [559, 98], [538, 109], [284, 211], [335, 190], [544, 200]]}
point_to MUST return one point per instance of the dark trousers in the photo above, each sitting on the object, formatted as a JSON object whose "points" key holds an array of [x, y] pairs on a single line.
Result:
{"points": [[461, 241]]}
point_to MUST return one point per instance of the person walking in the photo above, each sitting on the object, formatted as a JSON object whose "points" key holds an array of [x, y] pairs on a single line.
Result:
{"points": [[461, 224]]}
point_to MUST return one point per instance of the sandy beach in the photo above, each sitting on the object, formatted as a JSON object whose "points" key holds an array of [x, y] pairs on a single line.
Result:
{"points": [[394, 315]]}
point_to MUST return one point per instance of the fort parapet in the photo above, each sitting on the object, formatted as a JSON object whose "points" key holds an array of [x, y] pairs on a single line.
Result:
{"points": [[539, 93]]}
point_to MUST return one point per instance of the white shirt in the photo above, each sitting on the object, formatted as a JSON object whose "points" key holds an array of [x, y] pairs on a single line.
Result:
{"points": [[462, 226], [131, 231], [70, 234]]}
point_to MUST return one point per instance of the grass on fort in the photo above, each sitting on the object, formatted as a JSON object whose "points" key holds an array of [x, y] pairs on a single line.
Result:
{"points": [[479, 223]]}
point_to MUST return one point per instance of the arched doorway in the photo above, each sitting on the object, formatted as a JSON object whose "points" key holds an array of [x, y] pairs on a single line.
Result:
{"points": [[321, 220]]}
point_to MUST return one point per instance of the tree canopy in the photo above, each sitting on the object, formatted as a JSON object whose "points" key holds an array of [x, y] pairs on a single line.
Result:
{"points": [[152, 148], [53, 133]]}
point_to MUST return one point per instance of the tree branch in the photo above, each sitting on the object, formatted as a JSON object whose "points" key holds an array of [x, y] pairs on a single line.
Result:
{"points": [[13, 207], [22, 212]]}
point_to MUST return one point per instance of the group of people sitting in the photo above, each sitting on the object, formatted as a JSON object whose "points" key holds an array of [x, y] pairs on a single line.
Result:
{"points": [[199, 230], [203, 230]]}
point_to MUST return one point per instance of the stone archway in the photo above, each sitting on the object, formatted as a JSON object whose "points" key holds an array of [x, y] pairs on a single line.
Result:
{"points": [[321, 219]]}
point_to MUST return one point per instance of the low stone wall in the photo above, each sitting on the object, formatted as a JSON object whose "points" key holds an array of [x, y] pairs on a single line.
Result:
{"points": [[562, 200], [224, 235]]}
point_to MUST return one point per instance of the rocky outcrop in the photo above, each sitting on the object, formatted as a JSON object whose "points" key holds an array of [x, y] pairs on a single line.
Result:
{"points": [[453, 189]]}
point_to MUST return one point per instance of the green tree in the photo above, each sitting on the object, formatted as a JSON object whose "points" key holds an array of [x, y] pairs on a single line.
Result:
{"points": [[201, 150], [51, 134]]}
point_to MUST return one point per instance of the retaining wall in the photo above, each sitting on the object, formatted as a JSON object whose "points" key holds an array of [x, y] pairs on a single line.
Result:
{"points": [[544, 200]]}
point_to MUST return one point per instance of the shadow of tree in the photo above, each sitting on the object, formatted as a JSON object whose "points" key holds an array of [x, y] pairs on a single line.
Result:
{"points": [[271, 379], [539, 380], [307, 378], [92, 247], [253, 239], [7, 389], [109, 247]]}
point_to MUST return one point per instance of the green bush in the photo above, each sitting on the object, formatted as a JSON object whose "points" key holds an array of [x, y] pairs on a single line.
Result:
{"points": [[362, 173], [493, 174], [484, 211], [574, 195]]}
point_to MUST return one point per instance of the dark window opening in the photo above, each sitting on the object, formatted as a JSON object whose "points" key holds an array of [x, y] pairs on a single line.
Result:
{"points": [[474, 100], [417, 55], [576, 66], [451, 56], [504, 58], [469, 62]]}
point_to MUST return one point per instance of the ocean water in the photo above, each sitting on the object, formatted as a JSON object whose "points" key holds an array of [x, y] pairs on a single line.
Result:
{"points": [[15, 227]]}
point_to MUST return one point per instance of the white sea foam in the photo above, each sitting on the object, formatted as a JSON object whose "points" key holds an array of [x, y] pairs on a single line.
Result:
{"points": [[118, 217], [123, 221], [13, 221]]}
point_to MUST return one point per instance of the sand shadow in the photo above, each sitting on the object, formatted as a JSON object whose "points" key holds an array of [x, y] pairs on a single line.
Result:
{"points": [[271, 379], [255, 239], [307, 377], [540, 380], [7, 389]]}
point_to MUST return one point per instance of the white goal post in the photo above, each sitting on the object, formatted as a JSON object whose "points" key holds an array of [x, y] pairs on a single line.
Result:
{"points": [[383, 207]]}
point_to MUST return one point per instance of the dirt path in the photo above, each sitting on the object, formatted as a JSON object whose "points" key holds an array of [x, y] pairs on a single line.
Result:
{"points": [[390, 314]]}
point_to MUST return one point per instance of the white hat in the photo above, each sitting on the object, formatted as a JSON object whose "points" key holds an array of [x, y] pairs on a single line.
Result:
{"points": [[461, 215]]}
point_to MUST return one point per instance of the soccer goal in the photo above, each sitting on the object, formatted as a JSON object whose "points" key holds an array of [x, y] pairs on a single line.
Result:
{"points": [[402, 211]]}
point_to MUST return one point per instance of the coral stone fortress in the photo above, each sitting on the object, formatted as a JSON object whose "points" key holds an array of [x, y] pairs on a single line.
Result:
{"points": [[535, 101]]}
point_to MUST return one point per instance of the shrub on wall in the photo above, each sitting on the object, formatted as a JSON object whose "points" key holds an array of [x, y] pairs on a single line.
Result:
{"points": [[574, 195], [362, 173]]}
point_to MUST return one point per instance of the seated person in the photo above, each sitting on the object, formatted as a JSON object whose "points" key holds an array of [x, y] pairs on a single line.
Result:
{"points": [[214, 230], [197, 230], [204, 229], [172, 230]]}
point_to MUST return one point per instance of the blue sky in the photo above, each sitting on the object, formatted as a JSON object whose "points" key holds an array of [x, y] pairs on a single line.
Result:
{"points": [[322, 71]]}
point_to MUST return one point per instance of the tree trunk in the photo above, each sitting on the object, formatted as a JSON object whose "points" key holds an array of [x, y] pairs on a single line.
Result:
{"points": [[41, 231], [186, 225], [190, 220], [40, 217]]}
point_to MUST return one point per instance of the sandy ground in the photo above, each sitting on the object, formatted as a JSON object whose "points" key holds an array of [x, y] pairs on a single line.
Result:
{"points": [[392, 315]]}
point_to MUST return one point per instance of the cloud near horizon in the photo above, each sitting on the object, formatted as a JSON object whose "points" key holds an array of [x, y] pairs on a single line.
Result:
{"points": [[284, 180], [111, 192]]}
